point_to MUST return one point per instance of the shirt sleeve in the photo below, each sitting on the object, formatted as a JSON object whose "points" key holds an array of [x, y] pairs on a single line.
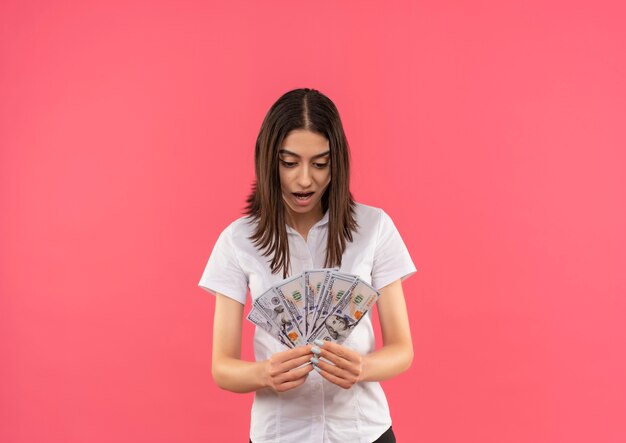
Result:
{"points": [[223, 272], [391, 256]]}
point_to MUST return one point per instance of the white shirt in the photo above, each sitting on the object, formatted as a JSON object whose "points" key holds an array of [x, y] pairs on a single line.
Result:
{"points": [[317, 410]]}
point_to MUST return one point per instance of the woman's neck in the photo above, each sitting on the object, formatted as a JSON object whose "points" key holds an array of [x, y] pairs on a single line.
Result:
{"points": [[302, 223]]}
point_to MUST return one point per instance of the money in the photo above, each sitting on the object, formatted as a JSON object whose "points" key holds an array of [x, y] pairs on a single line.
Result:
{"points": [[292, 294], [272, 305], [315, 282], [348, 312], [317, 304], [338, 286], [259, 319]]}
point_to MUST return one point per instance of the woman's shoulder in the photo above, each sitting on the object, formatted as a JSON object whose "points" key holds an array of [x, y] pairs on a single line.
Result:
{"points": [[372, 220], [369, 220], [241, 227], [367, 214]]}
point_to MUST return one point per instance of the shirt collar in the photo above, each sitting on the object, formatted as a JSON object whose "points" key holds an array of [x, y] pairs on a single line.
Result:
{"points": [[323, 221]]}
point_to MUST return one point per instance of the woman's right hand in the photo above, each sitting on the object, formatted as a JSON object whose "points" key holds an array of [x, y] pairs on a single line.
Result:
{"points": [[282, 371]]}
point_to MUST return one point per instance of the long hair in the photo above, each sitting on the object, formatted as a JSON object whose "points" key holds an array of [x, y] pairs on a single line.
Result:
{"points": [[310, 110]]}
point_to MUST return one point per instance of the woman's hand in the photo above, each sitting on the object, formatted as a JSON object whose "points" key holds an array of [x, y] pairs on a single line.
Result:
{"points": [[393, 358], [347, 365], [282, 371]]}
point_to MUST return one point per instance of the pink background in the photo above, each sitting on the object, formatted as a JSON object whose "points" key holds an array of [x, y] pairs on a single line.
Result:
{"points": [[492, 132]]}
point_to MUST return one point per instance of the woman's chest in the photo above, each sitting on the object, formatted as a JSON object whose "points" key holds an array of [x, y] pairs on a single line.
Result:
{"points": [[357, 259]]}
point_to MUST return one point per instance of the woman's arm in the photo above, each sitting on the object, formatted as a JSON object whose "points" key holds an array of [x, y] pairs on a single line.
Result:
{"points": [[393, 358], [232, 373], [396, 355]]}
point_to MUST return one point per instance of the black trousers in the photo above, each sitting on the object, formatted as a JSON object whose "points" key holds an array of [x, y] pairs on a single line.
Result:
{"points": [[387, 437]]}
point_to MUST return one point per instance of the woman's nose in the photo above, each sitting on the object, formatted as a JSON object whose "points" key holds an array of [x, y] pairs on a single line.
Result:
{"points": [[304, 177]]}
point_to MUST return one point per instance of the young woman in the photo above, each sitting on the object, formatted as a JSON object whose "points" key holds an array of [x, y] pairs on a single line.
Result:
{"points": [[300, 216]]}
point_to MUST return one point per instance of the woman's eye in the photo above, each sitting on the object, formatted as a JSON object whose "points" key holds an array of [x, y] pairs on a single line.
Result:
{"points": [[288, 164], [320, 165]]}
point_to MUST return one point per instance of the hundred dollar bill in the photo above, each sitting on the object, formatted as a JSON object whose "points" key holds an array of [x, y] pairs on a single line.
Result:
{"points": [[260, 320], [339, 285], [315, 280], [291, 291], [271, 304], [347, 313]]}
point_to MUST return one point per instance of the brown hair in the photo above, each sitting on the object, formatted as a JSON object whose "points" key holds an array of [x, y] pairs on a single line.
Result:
{"points": [[310, 110]]}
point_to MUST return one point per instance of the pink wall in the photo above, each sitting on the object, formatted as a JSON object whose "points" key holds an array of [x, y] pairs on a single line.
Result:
{"points": [[492, 132]]}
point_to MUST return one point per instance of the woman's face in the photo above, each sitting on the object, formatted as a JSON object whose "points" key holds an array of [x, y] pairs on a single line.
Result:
{"points": [[304, 170]]}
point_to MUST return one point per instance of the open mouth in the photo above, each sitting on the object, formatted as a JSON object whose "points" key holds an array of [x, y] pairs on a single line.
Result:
{"points": [[302, 195]]}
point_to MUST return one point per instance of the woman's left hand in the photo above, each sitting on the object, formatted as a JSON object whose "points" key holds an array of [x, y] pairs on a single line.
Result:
{"points": [[347, 366]]}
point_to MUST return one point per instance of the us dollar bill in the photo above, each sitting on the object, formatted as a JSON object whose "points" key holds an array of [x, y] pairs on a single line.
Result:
{"points": [[292, 293], [347, 313], [315, 281], [271, 304], [339, 286], [260, 320]]}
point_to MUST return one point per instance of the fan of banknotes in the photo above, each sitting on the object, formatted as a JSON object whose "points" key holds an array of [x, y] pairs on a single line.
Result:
{"points": [[316, 304]]}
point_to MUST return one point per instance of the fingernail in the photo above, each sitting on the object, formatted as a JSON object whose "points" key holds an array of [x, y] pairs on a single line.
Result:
{"points": [[314, 360], [318, 342], [317, 369], [316, 350]]}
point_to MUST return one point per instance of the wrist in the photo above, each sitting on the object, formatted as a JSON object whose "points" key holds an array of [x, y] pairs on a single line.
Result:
{"points": [[364, 369], [263, 377]]}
